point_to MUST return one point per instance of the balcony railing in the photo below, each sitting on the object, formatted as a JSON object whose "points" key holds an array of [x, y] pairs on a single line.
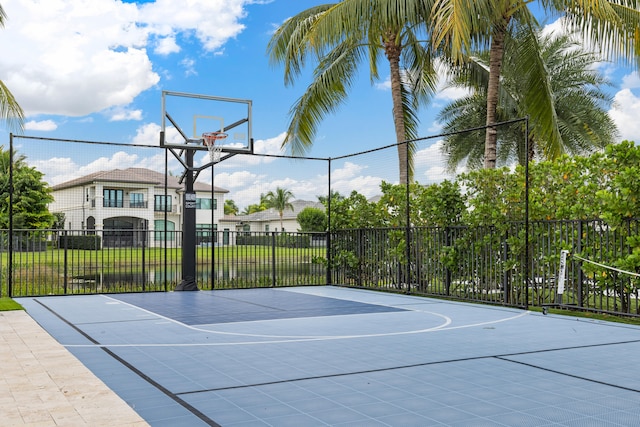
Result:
{"points": [[121, 204]]}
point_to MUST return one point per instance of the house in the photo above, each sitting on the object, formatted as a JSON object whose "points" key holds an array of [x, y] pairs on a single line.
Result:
{"points": [[125, 203], [269, 220]]}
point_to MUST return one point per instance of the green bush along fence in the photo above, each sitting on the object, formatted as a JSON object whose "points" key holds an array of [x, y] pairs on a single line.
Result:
{"points": [[487, 264]]}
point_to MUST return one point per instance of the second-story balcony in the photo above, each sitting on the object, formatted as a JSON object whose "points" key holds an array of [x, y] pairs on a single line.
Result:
{"points": [[159, 209], [124, 204]]}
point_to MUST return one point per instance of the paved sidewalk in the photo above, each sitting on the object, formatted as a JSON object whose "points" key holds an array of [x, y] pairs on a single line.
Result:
{"points": [[42, 384]]}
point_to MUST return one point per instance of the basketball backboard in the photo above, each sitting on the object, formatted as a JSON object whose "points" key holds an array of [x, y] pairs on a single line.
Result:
{"points": [[186, 116]]}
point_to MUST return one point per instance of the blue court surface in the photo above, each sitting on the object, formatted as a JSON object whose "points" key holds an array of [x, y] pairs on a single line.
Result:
{"points": [[330, 356]]}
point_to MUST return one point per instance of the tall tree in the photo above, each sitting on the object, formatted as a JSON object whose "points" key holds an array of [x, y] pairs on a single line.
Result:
{"points": [[340, 37], [461, 27], [31, 195], [257, 207], [10, 111], [280, 200], [579, 101]]}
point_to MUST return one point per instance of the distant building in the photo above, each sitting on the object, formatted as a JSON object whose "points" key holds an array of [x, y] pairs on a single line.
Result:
{"points": [[125, 203], [269, 220]]}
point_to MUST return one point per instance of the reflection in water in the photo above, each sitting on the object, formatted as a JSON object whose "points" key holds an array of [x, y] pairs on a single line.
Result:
{"points": [[155, 279]]}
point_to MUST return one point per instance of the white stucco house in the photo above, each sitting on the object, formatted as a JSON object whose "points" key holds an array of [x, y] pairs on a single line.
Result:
{"points": [[133, 201], [269, 220]]}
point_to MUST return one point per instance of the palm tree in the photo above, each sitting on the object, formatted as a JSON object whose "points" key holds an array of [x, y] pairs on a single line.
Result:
{"points": [[230, 207], [10, 111], [257, 207], [461, 27], [578, 100], [340, 36], [279, 200]]}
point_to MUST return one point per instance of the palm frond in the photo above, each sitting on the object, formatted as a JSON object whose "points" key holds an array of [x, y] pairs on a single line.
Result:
{"points": [[332, 80], [10, 111], [290, 45]]}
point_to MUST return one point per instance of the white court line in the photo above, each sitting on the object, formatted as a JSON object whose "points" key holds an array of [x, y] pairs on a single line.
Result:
{"points": [[447, 321], [293, 339]]}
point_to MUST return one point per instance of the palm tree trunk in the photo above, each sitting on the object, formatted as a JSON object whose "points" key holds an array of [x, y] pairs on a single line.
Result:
{"points": [[495, 64], [392, 51]]}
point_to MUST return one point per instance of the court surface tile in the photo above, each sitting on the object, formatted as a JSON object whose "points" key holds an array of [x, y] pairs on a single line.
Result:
{"points": [[331, 356]]}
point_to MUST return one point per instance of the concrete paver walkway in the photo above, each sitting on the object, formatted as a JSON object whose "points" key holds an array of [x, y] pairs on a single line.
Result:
{"points": [[42, 384]]}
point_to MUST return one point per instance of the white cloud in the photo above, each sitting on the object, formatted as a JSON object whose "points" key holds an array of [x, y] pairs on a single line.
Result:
{"points": [[74, 58], [189, 67], [166, 45], [625, 113], [430, 165], [347, 171], [631, 81], [41, 125], [446, 93], [57, 170], [384, 85], [366, 185], [270, 145], [121, 114], [236, 179], [212, 22]]}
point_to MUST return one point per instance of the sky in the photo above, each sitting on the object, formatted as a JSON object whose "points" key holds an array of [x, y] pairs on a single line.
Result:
{"points": [[95, 70]]}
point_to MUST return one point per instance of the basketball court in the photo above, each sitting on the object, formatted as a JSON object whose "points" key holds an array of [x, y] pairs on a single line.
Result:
{"points": [[318, 356]]}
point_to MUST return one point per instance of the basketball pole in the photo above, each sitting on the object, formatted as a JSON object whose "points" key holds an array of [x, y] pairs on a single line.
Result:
{"points": [[188, 282]]}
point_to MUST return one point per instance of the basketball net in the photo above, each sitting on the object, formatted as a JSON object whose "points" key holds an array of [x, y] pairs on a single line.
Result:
{"points": [[215, 150]]}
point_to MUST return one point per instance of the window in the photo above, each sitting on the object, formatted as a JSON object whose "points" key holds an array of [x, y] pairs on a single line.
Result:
{"points": [[159, 233], [112, 198], [266, 227], [136, 200], [162, 203], [203, 233], [203, 203]]}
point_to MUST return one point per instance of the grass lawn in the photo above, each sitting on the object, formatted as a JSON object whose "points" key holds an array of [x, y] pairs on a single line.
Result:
{"points": [[631, 320], [7, 304]]}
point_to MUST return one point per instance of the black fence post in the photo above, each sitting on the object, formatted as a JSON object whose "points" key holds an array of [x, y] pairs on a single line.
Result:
{"points": [[447, 271], [506, 287], [580, 272], [65, 266], [10, 255], [359, 255], [144, 261], [407, 236], [328, 238], [273, 258]]}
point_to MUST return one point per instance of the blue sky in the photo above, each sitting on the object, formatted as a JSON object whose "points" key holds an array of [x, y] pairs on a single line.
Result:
{"points": [[95, 71]]}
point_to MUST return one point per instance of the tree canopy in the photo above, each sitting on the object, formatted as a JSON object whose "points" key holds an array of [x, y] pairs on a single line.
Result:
{"points": [[280, 200], [460, 28], [579, 101], [31, 195], [342, 36]]}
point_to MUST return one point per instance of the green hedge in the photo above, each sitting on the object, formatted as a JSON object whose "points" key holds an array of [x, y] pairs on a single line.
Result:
{"points": [[282, 240], [92, 243]]}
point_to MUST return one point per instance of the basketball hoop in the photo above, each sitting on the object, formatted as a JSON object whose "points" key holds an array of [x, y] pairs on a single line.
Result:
{"points": [[215, 150]]}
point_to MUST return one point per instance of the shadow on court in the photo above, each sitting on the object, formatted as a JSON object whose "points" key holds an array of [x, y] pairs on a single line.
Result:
{"points": [[318, 356]]}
